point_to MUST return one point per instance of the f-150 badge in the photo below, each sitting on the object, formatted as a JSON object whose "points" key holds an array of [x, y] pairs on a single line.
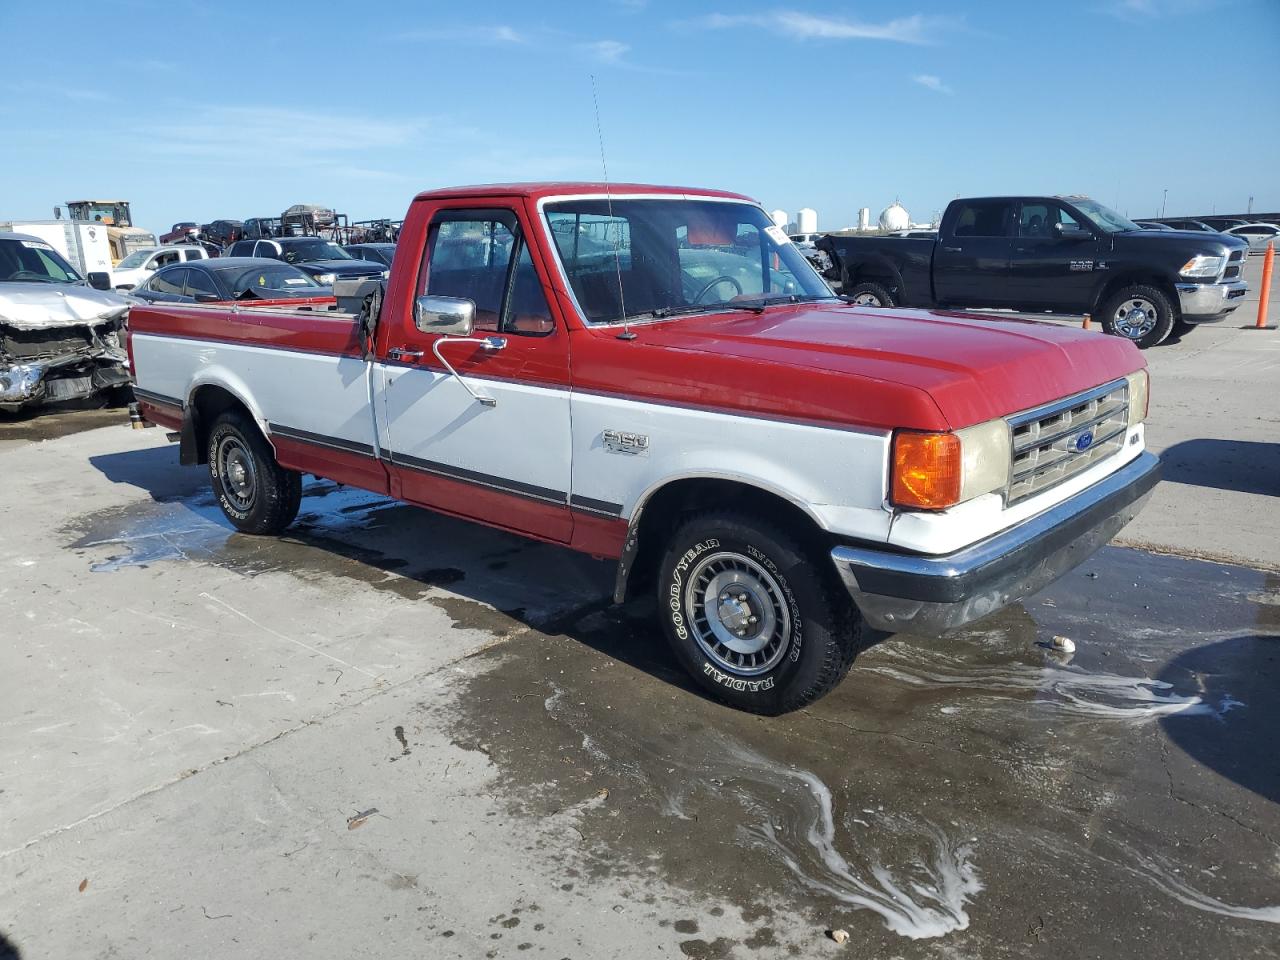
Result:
{"points": [[618, 441], [1081, 266]]}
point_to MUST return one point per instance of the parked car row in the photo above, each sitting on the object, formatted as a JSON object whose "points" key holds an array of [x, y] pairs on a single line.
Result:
{"points": [[228, 279]]}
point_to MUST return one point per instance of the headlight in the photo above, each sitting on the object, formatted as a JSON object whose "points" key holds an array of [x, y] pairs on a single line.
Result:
{"points": [[329, 278], [933, 471], [386, 274], [1203, 265], [1139, 396]]}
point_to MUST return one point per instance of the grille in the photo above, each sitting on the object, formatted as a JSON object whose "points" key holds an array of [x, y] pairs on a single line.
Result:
{"points": [[1049, 445]]}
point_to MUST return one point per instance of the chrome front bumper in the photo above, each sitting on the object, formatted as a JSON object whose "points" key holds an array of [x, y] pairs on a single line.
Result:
{"points": [[1207, 302], [921, 593]]}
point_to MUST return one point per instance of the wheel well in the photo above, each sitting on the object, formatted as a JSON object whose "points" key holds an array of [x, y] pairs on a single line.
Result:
{"points": [[674, 503], [1161, 283], [206, 404]]}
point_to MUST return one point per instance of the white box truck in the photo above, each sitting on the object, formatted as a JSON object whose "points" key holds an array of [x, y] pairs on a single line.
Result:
{"points": [[85, 246]]}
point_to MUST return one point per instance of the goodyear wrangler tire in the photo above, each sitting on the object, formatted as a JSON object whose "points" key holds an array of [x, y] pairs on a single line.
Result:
{"points": [[255, 492], [757, 621]]}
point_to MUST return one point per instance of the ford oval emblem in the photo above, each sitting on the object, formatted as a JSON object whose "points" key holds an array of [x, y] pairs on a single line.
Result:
{"points": [[1084, 441]]}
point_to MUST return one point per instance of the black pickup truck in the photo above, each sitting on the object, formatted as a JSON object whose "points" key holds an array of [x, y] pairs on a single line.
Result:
{"points": [[1053, 255]]}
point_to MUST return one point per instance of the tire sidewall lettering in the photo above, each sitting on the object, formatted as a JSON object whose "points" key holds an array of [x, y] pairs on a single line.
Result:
{"points": [[219, 482], [675, 605]]}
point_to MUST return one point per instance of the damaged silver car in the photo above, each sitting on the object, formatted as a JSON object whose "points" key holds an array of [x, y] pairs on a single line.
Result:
{"points": [[60, 339]]}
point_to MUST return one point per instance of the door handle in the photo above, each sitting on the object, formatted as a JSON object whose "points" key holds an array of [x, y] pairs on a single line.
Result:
{"points": [[402, 353], [488, 343], [954, 249]]}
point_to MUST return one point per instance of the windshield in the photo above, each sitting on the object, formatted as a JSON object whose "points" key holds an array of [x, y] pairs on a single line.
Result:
{"points": [[662, 257], [1103, 217], [304, 251], [266, 281], [31, 261], [134, 260]]}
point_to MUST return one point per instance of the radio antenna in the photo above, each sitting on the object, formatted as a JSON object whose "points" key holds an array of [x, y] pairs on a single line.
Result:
{"points": [[626, 333]]}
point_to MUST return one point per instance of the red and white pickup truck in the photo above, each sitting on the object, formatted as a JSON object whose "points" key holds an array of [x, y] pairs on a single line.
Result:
{"points": [[657, 375]]}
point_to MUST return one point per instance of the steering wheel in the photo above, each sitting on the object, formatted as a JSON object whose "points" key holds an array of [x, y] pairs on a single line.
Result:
{"points": [[714, 283]]}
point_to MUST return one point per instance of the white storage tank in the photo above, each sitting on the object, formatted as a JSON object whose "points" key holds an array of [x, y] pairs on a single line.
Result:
{"points": [[864, 218], [780, 219], [807, 220], [895, 217]]}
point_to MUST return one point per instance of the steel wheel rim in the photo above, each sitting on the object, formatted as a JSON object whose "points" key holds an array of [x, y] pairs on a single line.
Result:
{"points": [[865, 299], [239, 476], [1136, 317], [723, 593]]}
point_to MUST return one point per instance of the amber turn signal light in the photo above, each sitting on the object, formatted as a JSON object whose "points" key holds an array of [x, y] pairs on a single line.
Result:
{"points": [[926, 470]]}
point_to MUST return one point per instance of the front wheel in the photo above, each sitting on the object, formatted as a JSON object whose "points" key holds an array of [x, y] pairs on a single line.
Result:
{"points": [[255, 492], [1141, 314], [758, 621], [871, 294]]}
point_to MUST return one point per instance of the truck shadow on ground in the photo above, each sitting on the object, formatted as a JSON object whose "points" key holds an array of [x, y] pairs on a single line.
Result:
{"points": [[1246, 466], [496, 581], [1250, 665]]}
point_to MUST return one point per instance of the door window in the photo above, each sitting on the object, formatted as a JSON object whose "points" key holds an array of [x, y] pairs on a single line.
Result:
{"points": [[199, 282], [169, 282], [1037, 219], [265, 248], [193, 254], [164, 259], [476, 256], [982, 218], [241, 248]]}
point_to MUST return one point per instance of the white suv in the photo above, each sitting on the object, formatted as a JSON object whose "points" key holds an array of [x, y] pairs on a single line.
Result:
{"points": [[140, 264]]}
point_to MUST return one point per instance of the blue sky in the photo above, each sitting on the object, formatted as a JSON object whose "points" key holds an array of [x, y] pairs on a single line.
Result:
{"points": [[199, 110]]}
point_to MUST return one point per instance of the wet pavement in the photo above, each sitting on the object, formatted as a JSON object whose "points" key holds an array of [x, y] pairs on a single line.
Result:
{"points": [[394, 734]]}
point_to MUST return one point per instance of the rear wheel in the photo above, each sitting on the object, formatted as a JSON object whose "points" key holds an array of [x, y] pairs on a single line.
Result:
{"points": [[1141, 314], [255, 492], [868, 293], [758, 621]]}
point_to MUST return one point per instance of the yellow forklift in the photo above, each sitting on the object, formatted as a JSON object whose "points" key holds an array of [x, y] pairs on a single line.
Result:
{"points": [[115, 216]]}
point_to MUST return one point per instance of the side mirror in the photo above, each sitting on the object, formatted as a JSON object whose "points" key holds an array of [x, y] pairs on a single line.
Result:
{"points": [[100, 281], [1071, 231], [445, 316], [151, 267]]}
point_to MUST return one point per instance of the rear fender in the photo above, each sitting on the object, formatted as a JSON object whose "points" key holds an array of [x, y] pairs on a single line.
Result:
{"points": [[190, 449]]}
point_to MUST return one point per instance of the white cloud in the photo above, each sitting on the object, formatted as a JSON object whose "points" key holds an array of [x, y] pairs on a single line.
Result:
{"points": [[917, 28], [1152, 9], [933, 83], [481, 35], [605, 51], [250, 137]]}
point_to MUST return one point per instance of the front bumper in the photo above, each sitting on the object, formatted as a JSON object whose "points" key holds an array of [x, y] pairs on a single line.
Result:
{"points": [[931, 594], [62, 378], [1207, 302]]}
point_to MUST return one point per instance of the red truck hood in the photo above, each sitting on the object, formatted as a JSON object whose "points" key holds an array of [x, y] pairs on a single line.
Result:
{"points": [[974, 367]]}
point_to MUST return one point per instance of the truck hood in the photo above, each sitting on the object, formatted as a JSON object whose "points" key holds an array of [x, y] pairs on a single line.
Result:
{"points": [[974, 367], [45, 306]]}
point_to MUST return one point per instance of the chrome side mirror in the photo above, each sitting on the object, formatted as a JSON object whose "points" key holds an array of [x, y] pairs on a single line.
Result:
{"points": [[445, 316]]}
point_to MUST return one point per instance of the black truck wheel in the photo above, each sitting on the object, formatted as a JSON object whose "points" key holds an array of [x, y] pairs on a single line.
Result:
{"points": [[868, 293], [1140, 313], [255, 492], [759, 622]]}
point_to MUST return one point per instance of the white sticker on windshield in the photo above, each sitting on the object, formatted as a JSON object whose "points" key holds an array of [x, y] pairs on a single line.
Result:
{"points": [[35, 245], [776, 235], [294, 282]]}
